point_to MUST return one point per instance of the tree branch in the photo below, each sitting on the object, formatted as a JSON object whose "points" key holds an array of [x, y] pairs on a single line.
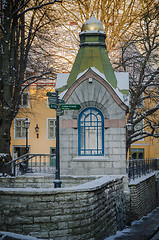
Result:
{"points": [[39, 6]]}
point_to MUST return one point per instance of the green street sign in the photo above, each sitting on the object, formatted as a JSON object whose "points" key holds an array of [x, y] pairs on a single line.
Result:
{"points": [[54, 100], [51, 94], [59, 112], [53, 106], [61, 101], [70, 106]]}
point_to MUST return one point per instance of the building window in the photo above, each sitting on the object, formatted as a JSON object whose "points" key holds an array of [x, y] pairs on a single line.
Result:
{"points": [[19, 128], [137, 153], [51, 128], [24, 101], [91, 132]]}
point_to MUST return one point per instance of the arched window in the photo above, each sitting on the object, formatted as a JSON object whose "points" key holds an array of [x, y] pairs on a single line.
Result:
{"points": [[91, 132]]}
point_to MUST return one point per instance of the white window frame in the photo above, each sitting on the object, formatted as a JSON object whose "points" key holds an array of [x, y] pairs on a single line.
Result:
{"points": [[48, 102], [49, 138], [28, 100], [18, 119]]}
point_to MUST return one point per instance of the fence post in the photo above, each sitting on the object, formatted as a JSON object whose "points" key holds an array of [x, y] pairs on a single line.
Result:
{"points": [[3, 166], [14, 166]]}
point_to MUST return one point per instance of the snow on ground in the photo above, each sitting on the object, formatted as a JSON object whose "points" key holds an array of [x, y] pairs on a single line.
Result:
{"points": [[15, 236], [128, 229]]}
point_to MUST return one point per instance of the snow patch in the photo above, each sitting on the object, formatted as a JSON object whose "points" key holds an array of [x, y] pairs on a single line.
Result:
{"points": [[62, 94], [81, 187], [122, 82], [18, 236], [3, 155], [61, 80], [141, 179]]}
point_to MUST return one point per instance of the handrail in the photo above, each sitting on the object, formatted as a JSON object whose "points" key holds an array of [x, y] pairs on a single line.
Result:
{"points": [[14, 160], [28, 163], [139, 167]]}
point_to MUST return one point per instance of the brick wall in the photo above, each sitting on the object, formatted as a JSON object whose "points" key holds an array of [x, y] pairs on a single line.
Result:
{"points": [[143, 196], [91, 210]]}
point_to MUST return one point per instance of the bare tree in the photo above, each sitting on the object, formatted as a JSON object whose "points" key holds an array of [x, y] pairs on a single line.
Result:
{"points": [[139, 56], [117, 17], [21, 21]]}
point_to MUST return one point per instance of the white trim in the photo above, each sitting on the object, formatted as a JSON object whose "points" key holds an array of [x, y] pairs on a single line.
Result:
{"points": [[140, 144], [14, 128], [47, 102], [48, 129], [91, 159], [28, 102]]}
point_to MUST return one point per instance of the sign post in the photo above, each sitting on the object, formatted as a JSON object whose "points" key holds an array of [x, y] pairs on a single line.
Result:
{"points": [[59, 105], [57, 182]]}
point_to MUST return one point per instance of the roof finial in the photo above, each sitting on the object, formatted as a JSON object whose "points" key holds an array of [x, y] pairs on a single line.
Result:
{"points": [[92, 24]]}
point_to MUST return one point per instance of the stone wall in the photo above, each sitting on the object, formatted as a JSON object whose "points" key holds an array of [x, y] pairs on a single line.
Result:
{"points": [[143, 194], [90, 210], [94, 94]]}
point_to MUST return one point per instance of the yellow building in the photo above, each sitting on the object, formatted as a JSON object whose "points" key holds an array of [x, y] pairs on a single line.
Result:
{"points": [[148, 147], [34, 105]]}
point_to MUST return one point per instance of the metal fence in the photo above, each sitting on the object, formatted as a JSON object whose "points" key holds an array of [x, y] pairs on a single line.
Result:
{"points": [[139, 167], [46, 163], [30, 163]]}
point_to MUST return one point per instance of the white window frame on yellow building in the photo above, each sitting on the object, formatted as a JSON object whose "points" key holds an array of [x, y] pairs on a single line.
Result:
{"points": [[22, 105], [47, 102], [23, 136], [48, 137]]}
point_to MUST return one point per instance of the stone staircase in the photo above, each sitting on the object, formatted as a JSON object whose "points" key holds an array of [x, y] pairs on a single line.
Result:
{"points": [[42, 181]]}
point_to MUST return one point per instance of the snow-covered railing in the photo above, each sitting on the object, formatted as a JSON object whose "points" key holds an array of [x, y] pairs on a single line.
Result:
{"points": [[139, 167], [30, 163]]}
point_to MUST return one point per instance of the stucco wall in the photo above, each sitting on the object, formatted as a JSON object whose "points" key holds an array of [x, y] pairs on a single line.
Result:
{"points": [[38, 113]]}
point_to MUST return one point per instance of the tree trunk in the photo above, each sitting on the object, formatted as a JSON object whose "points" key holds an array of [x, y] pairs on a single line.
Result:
{"points": [[5, 140]]}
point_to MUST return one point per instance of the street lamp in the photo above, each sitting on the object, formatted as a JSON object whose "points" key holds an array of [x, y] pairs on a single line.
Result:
{"points": [[37, 130], [26, 125]]}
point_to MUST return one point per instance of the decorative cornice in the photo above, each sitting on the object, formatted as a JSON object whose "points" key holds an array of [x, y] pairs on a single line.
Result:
{"points": [[94, 44]]}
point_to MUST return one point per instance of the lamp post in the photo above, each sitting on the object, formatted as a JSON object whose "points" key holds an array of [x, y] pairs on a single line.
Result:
{"points": [[26, 125]]}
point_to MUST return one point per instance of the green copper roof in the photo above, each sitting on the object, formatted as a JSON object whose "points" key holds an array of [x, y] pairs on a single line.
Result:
{"points": [[92, 53]]}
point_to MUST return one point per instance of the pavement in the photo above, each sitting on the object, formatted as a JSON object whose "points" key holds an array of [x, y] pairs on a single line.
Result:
{"points": [[146, 228]]}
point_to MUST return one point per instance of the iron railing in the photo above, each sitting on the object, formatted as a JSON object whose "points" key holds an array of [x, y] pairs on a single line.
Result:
{"points": [[45, 163], [139, 167], [30, 163]]}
